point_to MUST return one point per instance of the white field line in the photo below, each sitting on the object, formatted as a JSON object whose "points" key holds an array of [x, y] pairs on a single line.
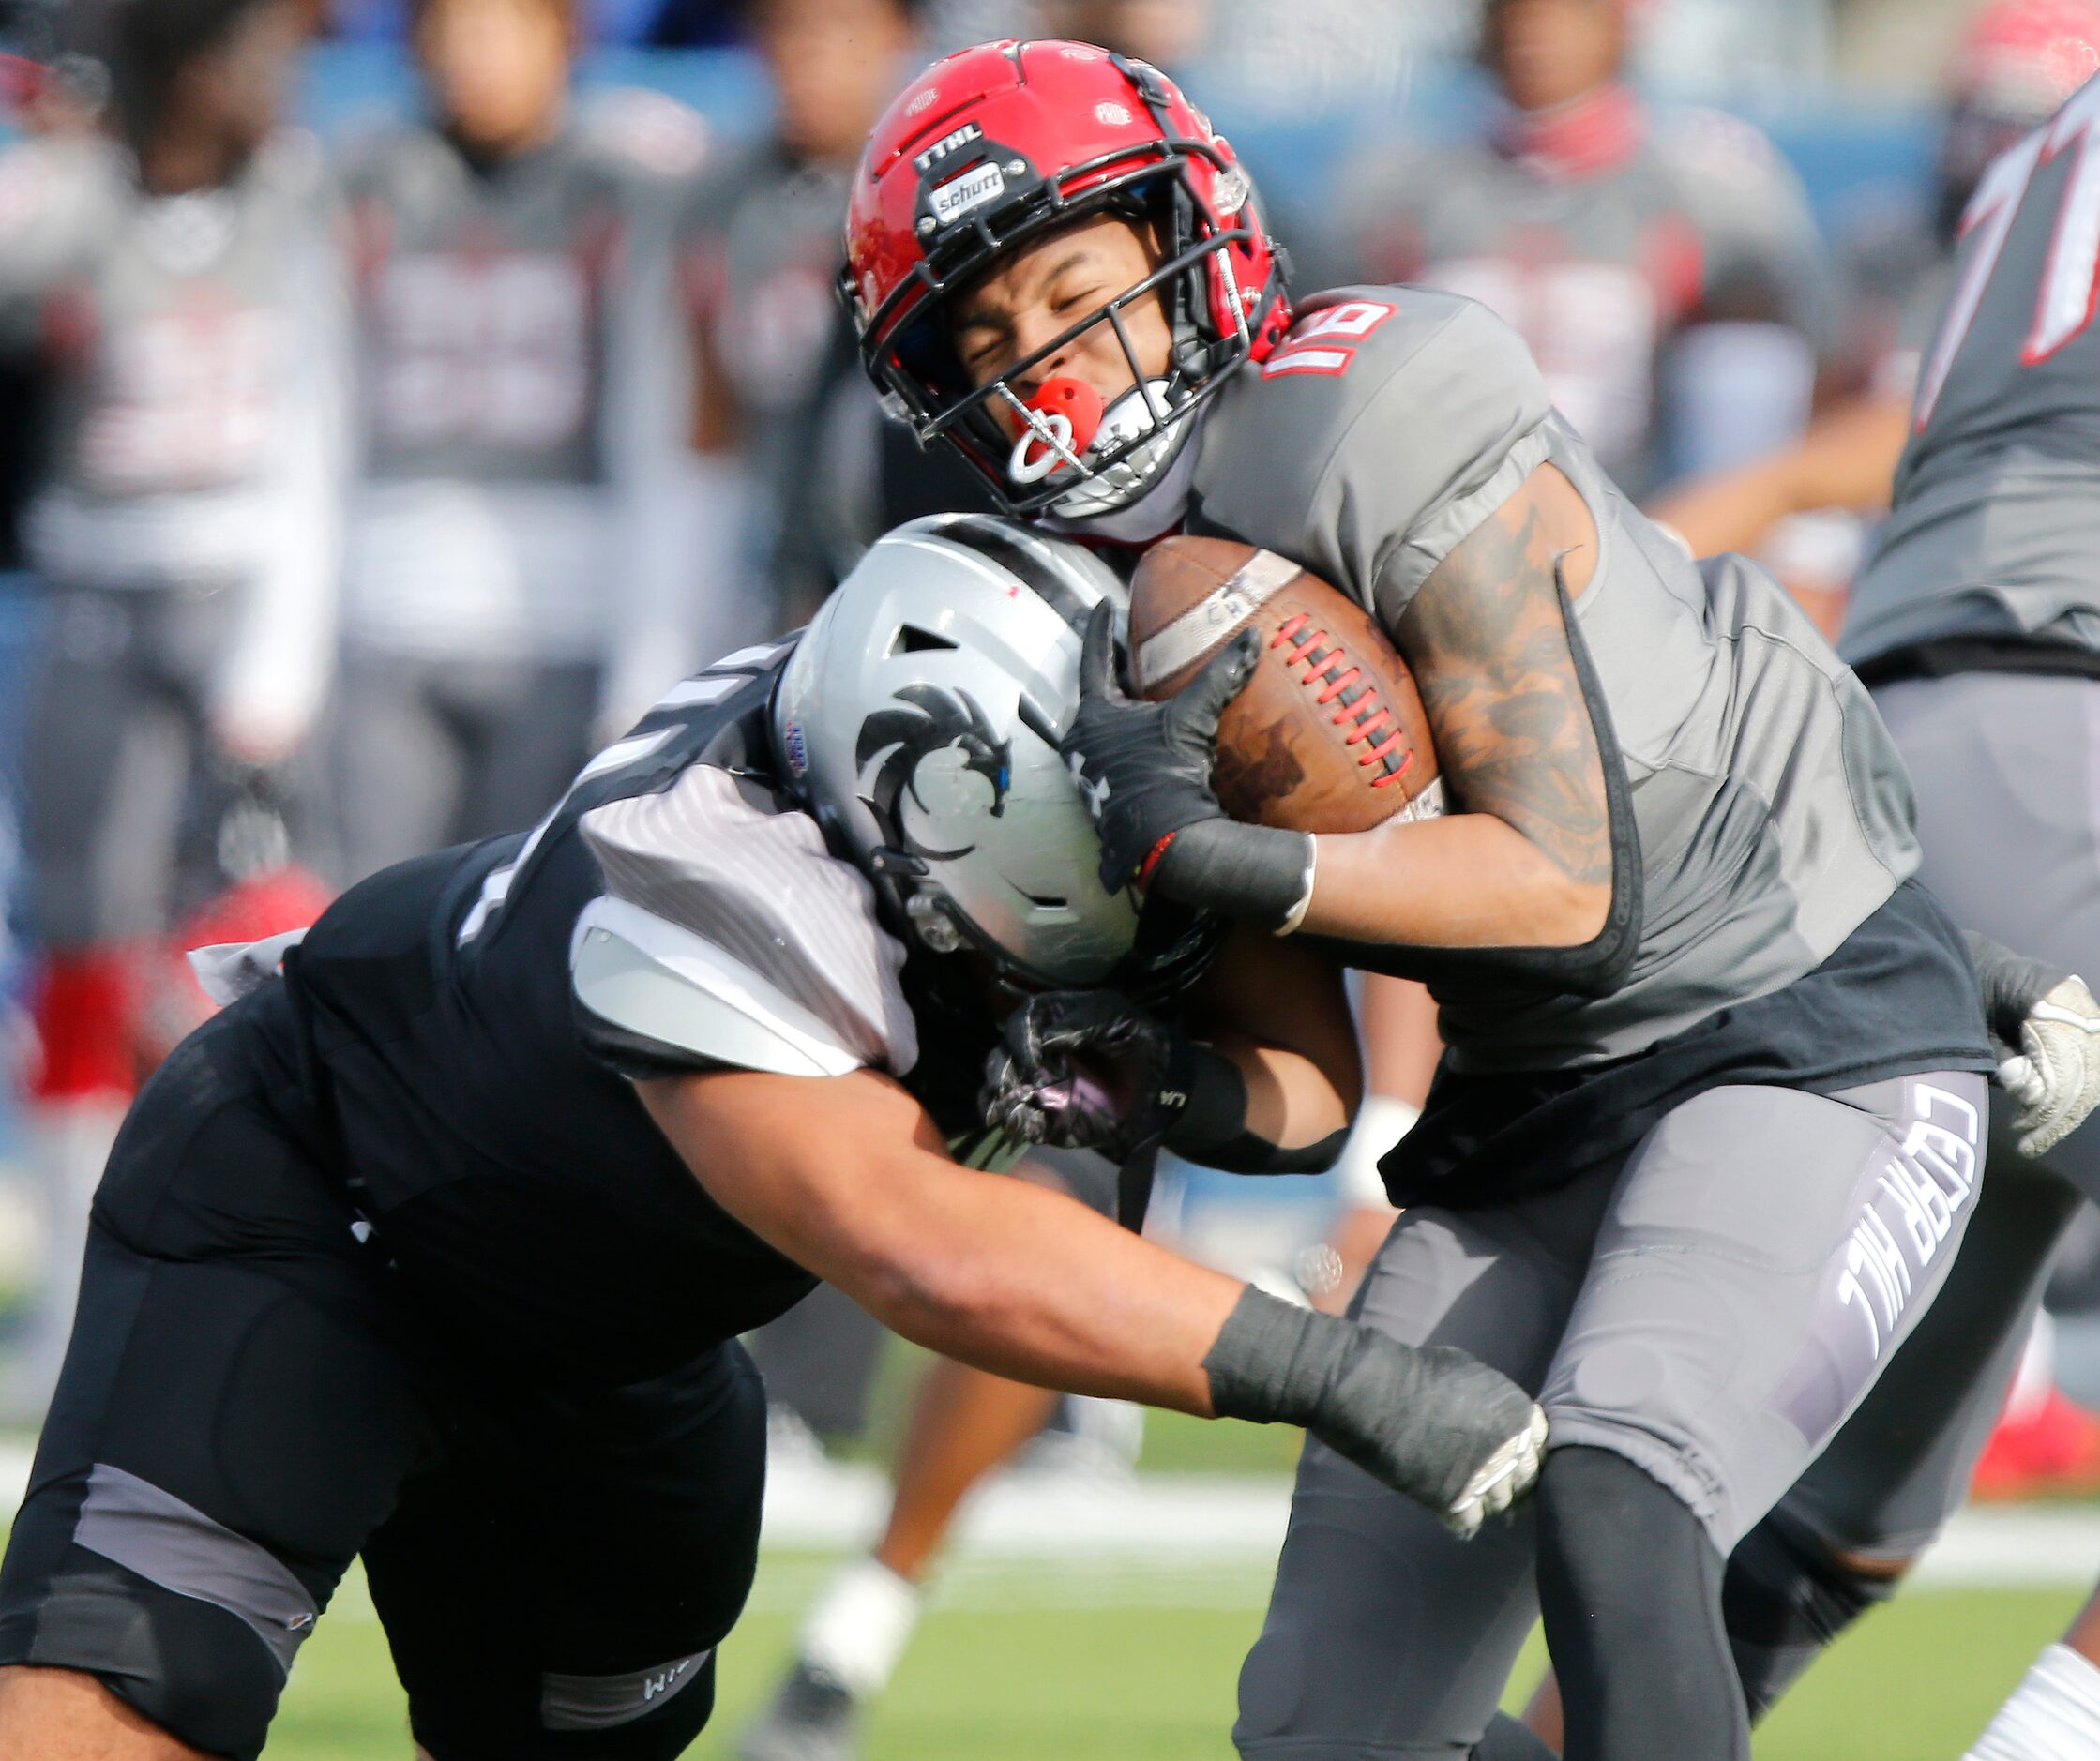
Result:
{"points": [[1192, 1540]]}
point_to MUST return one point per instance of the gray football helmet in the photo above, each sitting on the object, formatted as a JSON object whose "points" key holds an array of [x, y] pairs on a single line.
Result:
{"points": [[919, 717]]}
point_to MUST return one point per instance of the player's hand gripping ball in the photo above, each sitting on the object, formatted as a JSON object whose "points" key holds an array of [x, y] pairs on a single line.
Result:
{"points": [[1144, 768], [1328, 734]]}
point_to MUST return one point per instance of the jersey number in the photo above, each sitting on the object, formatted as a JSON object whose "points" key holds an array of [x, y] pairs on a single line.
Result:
{"points": [[494, 350], [1320, 342], [2065, 304], [187, 396]]}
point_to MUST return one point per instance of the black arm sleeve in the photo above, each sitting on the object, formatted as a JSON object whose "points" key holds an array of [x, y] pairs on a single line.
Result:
{"points": [[1210, 1129]]}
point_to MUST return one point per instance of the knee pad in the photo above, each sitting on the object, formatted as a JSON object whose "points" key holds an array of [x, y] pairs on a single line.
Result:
{"points": [[1784, 1599], [191, 1669], [647, 1715], [84, 1008]]}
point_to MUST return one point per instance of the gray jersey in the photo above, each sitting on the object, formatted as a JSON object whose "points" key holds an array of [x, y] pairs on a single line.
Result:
{"points": [[522, 397], [189, 348], [1994, 533], [1774, 813], [1665, 222], [758, 244]]}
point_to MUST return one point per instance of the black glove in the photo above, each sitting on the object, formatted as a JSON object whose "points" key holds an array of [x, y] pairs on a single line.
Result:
{"points": [[1430, 1421], [1144, 769], [1090, 1070], [1144, 772]]}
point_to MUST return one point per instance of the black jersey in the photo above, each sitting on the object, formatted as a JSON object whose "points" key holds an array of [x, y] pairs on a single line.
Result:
{"points": [[481, 1115]]}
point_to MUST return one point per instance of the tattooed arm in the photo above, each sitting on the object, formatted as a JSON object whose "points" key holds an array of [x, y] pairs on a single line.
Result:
{"points": [[1525, 858]]}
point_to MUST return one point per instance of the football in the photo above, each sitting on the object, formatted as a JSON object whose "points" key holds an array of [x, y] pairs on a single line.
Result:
{"points": [[1329, 734]]}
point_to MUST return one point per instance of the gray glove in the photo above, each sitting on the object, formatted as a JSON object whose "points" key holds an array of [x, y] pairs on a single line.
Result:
{"points": [[2055, 1076], [1430, 1421]]}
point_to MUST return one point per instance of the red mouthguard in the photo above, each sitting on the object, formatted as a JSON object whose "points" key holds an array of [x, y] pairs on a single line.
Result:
{"points": [[1077, 402]]}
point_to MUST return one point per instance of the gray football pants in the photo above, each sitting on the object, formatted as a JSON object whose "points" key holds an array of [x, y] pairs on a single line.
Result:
{"points": [[1713, 1309], [123, 784], [427, 753]]}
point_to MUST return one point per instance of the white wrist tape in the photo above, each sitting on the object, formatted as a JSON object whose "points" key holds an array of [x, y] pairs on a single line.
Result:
{"points": [[1382, 1121], [1296, 915]]}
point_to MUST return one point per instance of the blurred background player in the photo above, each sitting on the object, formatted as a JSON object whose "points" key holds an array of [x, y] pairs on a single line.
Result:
{"points": [[1976, 622], [166, 279], [516, 574], [2017, 61], [1663, 267], [759, 249]]}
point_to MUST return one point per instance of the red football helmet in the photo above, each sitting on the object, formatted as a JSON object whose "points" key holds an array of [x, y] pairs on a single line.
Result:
{"points": [[2017, 62], [986, 151], [2022, 58]]}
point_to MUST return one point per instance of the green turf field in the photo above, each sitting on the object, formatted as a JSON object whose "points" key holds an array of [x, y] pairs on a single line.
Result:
{"points": [[1017, 1665]]}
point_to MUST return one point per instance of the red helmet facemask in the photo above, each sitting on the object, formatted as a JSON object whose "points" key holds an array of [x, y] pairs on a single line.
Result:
{"points": [[986, 153]]}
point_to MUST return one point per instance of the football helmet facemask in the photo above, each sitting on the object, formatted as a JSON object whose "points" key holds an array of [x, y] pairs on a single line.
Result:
{"points": [[987, 152]]}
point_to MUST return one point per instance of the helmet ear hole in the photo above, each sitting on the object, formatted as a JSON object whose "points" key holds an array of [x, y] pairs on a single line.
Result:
{"points": [[932, 924]]}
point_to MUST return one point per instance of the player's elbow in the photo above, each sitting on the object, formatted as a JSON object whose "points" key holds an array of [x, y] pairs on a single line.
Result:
{"points": [[941, 1301], [1571, 912], [917, 1284]]}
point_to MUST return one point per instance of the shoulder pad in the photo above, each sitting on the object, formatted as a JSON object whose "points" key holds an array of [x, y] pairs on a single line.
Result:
{"points": [[688, 1002]]}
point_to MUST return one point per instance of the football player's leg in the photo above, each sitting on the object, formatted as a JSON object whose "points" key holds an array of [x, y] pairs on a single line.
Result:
{"points": [[396, 765], [1385, 1635], [556, 1589], [103, 785], [1840, 1539], [1767, 1253], [2004, 769], [2054, 1713], [237, 1410]]}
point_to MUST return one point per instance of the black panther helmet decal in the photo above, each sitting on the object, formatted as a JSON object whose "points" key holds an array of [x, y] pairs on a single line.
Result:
{"points": [[903, 739]]}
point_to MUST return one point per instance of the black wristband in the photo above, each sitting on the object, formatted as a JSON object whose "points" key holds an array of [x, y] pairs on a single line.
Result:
{"points": [[1208, 1095], [1430, 1421], [1254, 872], [2012, 985], [1211, 1126], [1271, 1363]]}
